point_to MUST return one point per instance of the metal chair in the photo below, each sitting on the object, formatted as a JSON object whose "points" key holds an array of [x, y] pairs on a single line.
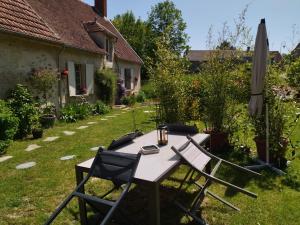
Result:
{"points": [[199, 160], [182, 128], [124, 140], [109, 165]]}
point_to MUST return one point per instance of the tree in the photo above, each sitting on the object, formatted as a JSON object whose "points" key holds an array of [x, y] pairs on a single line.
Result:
{"points": [[225, 45], [166, 18], [135, 31]]}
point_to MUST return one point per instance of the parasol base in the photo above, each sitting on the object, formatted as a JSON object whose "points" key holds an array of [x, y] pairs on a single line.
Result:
{"points": [[261, 165]]}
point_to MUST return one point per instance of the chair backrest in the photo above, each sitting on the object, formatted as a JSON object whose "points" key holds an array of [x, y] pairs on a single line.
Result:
{"points": [[115, 166], [192, 155], [182, 128], [126, 139]]}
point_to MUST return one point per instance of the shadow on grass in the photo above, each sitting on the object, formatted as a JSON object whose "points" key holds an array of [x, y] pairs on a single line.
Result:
{"points": [[134, 208]]}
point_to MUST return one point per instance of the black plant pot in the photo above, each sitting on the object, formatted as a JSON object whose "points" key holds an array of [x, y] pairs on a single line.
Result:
{"points": [[47, 121], [37, 133]]}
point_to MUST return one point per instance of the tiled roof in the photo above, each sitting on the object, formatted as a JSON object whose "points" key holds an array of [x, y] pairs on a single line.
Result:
{"points": [[18, 16], [66, 19], [204, 55]]}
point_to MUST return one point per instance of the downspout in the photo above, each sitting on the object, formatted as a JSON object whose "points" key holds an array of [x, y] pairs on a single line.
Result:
{"points": [[60, 81]]}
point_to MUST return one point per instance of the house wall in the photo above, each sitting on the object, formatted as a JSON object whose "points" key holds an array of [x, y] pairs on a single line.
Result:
{"points": [[78, 57], [18, 56], [120, 67]]}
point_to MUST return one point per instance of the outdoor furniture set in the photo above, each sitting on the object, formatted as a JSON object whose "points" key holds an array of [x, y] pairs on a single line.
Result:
{"points": [[123, 164]]}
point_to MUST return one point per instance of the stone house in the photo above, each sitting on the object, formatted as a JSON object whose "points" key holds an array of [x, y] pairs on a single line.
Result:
{"points": [[66, 35]]}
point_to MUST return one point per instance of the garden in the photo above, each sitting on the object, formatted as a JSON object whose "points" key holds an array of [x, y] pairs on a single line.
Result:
{"points": [[40, 145]]}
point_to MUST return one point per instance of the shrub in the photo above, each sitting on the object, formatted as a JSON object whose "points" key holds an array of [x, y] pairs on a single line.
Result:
{"points": [[43, 80], [141, 97], [100, 108], [73, 112], [292, 179], [8, 126], [22, 104], [106, 81], [149, 91], [166, 73], [293, 74], [128, 100]]}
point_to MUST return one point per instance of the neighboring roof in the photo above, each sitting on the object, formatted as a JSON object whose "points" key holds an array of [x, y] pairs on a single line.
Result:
{"points": [[66, 20], [296, 51], [19, 17], [204, 55]]}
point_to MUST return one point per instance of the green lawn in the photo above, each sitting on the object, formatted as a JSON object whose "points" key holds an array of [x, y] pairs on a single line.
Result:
{"points": [[29, 196]]}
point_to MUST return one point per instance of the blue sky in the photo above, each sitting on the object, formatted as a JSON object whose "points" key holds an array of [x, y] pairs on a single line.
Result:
{"points": [[281, 16]]}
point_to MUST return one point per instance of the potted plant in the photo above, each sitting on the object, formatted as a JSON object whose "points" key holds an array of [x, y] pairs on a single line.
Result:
{"points": [[37, 132], [47, 119], [43, 81], [277, 121], [215, 100]]}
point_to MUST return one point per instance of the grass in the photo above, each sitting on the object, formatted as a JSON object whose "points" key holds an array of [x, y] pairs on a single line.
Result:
{"points": [[29, 196]]}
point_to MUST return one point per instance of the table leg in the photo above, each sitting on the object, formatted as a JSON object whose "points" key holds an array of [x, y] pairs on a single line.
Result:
{"points": [[81, 203], [154, 204]]}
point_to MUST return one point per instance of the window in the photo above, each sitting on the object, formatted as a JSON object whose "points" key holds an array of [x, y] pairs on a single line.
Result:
{"points": [[127, 75], [109, 50], [80, 79]]}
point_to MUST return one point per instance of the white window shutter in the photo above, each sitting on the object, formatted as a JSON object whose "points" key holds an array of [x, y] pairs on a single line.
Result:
{"points": [[71, 78], [90, 78], [132, 78]]}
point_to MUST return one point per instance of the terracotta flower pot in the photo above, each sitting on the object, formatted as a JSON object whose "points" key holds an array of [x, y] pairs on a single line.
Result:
{"points": [[218, 140], [261, 148], [274, 158]]}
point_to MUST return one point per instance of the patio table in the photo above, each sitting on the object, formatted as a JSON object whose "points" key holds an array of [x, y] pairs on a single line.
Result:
{"points": [[151, 171]]}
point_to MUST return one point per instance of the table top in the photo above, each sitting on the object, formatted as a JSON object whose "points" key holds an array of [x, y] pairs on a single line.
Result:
{"points": [[154, 167]]}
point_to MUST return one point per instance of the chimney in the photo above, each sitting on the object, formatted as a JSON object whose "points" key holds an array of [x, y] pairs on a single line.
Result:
{"points": [[101, 7]]}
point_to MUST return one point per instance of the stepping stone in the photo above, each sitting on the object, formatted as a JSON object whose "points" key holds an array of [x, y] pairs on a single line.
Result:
{"points": [[96, 148], [91, 123], [82, 127], [123, 112], [147, 111], [32, 147], [25, 165], [117, 114], [68, 157], [104, 119], [69, 133], [50, 139], [4, 158], [111, 116]]}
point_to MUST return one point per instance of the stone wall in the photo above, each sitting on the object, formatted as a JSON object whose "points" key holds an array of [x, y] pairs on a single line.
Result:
{"points": [[18, 56]]}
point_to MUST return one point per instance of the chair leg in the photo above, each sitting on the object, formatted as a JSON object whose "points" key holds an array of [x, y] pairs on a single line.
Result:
{"points": [[200, 196], [59, 209]]}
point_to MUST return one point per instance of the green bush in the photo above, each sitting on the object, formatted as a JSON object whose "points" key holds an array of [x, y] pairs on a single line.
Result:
{"points": [[293, 73], [128, 100], [100, 108], [8, 126], [149, 90], [74, 112], [141, 97], [106, 81], [292, 179], [22, 104]]}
